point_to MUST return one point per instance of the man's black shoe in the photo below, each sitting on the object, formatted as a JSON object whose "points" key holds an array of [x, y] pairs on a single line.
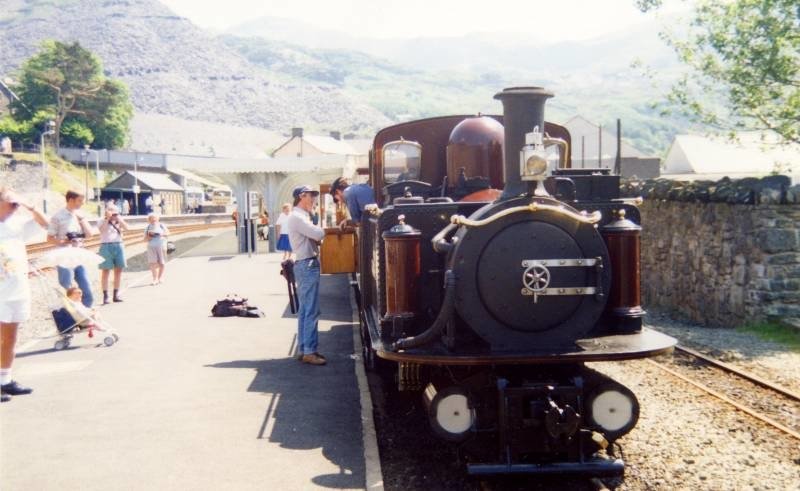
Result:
{"points": [[5, 397], [14, 389]]}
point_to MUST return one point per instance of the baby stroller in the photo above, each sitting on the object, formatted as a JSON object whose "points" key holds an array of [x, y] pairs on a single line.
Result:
{"points": [[70, 317], [71, 320]]}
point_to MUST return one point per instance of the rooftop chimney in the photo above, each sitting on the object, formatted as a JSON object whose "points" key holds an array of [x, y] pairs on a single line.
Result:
{"points": [[523, 109], [297, 132]]}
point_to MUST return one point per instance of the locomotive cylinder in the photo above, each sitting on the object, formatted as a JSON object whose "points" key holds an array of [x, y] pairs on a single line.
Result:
{"points": [[523, 110], [623, 239], [402, 248]]}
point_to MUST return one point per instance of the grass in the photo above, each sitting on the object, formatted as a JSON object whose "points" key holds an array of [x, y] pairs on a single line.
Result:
{"points": [[776, 333], [64, 176]]}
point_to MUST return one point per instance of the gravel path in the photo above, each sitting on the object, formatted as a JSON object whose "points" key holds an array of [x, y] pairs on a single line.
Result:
{"points": [[686, 439], [745, 350]]}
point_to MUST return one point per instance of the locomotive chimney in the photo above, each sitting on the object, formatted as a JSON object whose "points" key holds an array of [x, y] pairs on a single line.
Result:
{"points": [[523, 109]]}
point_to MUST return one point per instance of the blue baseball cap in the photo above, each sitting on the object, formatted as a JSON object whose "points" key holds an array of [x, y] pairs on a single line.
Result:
{"points": [[304, 189]]}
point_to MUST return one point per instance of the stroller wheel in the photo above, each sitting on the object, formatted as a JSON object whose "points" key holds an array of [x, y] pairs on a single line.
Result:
{"points": [[109, 341], [116, 338], [61, 344]]}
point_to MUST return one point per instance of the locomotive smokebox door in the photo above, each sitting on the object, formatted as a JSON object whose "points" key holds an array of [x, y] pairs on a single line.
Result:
{"points": [[541, 277]]}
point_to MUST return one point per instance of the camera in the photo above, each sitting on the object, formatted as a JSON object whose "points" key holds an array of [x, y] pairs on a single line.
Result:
{"points": [[76, 238]]}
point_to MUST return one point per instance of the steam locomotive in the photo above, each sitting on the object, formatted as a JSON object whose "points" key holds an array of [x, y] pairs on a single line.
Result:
{"points": [[489, 272]]}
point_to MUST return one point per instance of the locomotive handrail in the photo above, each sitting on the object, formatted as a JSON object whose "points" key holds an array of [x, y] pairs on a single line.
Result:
{"points": [[440, 244], [582, 217], [637, 201]]}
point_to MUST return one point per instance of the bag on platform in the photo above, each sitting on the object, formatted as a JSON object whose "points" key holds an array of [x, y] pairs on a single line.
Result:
{"points": [[235, 307]]}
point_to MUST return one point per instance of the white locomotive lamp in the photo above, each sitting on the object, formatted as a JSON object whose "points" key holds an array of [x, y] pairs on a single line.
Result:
{"points": [[534, 162]]}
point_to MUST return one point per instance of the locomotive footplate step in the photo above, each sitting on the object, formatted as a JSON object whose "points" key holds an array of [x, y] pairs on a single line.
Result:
{"points": [[597, 467], [603, 348]]}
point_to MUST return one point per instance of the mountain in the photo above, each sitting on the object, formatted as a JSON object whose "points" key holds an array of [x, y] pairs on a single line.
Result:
{"points": [[174, 68], [411, 78], [482, 50]]}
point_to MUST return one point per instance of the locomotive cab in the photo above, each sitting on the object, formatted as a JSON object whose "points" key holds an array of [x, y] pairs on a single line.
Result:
{"points": [[490, 274]]}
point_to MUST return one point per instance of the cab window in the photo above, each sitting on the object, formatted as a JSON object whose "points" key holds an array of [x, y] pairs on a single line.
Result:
{"points": [[401, 161]]}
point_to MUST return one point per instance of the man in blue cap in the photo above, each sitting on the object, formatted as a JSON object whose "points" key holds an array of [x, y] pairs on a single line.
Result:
{"points": [[305, 238]]}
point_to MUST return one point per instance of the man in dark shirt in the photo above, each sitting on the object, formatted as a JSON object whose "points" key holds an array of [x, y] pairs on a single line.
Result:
{"points": [[355, 196]]}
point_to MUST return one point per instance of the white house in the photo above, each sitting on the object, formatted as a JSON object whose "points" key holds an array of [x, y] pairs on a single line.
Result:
{"points": [[753, 154]]}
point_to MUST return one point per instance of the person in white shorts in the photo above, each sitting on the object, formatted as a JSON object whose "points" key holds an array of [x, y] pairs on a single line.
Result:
{"points": [[15, 293], [156, 233]]}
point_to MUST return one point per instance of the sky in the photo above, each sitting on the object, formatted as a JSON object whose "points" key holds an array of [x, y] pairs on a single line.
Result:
{"points": [[554, 20]]}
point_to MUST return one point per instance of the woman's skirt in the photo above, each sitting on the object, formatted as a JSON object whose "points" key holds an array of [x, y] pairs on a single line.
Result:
{"points": [[157, 253], [283, 243]]}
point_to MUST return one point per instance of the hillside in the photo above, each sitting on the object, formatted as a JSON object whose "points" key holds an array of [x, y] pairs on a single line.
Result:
{"points": [[174, 68], [592, 78]]}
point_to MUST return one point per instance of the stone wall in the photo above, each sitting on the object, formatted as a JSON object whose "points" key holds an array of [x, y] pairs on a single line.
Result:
{"points": [[724, 253]]}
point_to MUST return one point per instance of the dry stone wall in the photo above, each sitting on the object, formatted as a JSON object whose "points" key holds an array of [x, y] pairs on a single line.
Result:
{"points": [[721, 253]]}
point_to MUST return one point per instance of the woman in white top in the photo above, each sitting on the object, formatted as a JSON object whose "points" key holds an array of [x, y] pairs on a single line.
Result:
{"points": [[15, 294], [282, 229]]}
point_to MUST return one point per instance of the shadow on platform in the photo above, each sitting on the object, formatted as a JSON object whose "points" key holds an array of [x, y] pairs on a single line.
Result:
{"points": [[313, 406]]}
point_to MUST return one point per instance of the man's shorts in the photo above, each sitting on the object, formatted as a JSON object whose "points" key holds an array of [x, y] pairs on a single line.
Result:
{"points": [[15, 311], [114, 255]]}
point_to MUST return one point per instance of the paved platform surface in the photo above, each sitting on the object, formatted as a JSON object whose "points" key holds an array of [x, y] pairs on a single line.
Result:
{"points": [[187, 401]]}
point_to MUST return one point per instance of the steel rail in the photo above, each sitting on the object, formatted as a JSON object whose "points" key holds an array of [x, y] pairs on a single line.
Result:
{"points": [[741, 373], [727, 399], [129, 237]]}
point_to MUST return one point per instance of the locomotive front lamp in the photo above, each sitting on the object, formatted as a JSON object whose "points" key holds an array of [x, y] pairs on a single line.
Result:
{"points": [[449, 412], [614, 410], [533, 157]]}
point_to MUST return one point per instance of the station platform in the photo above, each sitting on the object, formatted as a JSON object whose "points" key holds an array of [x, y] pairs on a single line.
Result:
{"points": [[187, 401]]}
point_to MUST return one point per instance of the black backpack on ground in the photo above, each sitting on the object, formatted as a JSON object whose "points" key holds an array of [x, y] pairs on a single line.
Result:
{"points": [[235, 307]]}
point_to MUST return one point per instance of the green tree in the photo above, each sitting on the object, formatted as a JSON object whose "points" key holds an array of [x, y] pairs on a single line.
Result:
{"points": [[67, 81], [744, 65]]}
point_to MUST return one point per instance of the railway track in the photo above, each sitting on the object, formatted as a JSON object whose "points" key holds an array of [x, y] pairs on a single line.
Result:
{"points": [[766, 401], [130, 237]]}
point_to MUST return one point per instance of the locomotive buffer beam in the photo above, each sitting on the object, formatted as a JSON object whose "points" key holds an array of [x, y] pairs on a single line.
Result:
{"points": [[595, 467], [562, 424]]}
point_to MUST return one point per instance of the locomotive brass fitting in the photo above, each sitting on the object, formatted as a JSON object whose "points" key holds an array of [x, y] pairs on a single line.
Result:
{"points": [[582, 217], [373, 210], [600, 440]]}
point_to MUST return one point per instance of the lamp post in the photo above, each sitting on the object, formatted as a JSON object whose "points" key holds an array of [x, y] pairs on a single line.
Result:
{"points": [[51, 129], [86, 171], [136, 187], [87, 150]]}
